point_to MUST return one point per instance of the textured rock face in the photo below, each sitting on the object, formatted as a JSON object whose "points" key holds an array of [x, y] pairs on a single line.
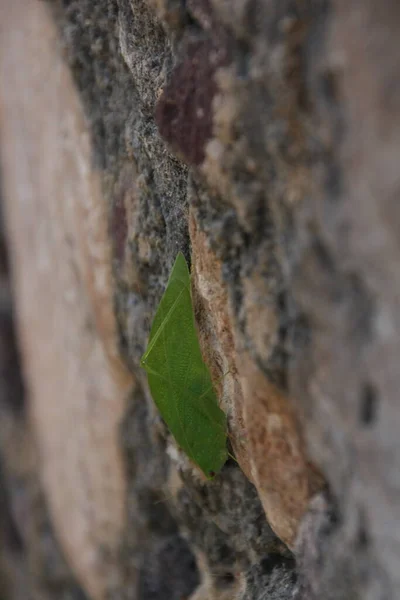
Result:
{"points": [[261, 139]]}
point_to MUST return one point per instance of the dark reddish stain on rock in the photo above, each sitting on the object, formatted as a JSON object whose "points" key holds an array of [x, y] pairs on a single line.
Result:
{"points": [[184, 111], [119, 227]]}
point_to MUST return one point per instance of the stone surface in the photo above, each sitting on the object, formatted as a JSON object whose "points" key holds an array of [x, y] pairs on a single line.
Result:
{"points": [[60, 254], [261, 139]]}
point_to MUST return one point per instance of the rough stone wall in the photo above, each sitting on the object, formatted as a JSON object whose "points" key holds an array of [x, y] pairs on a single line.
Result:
{"points": [[260, 137]]}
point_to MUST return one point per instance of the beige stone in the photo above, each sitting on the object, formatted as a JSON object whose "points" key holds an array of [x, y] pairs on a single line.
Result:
{"points": [[60, 255]]}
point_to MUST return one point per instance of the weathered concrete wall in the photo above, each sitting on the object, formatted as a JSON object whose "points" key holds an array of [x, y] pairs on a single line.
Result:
{"points": [[261, 139]]}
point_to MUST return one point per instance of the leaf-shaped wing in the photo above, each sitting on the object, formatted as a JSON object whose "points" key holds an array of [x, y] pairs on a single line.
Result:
{"points": [[179, 379]]}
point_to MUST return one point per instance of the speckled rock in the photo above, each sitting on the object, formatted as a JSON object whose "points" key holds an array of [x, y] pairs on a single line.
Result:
{"points": [[261, 139]]}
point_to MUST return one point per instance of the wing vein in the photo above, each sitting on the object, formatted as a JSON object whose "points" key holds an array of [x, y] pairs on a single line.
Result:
{"points": [[162, 326]]}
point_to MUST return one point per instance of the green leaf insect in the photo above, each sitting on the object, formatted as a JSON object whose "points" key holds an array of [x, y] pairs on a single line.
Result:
{"points": [[179, 380]]}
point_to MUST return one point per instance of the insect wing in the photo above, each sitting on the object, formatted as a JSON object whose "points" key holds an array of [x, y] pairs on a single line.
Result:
{"points": [[179, 380]]}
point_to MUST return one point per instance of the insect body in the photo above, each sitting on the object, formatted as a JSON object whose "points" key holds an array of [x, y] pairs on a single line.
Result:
{"points": [[180, 381]]}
